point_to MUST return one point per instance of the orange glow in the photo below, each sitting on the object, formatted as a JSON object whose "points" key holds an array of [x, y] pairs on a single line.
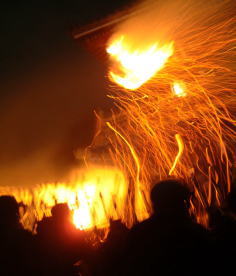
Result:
{"points": [[179, 57], [137, 65]]}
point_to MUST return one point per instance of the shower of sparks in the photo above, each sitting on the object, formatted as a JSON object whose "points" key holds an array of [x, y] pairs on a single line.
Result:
{"points": [[189, 98], [174, 91]]}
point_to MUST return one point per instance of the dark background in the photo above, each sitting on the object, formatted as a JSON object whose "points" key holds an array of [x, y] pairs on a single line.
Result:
{"points": [[49, 87]]}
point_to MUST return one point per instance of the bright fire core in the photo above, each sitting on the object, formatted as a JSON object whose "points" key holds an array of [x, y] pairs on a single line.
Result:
{"points": [[137, 65]]}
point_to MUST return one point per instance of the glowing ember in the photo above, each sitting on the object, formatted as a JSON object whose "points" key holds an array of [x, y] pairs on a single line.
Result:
{"points": [[179, 89], [137, 65]]}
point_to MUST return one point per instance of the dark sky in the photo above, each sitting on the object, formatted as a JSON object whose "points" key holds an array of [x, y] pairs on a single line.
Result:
{"points": [[49, 87]]}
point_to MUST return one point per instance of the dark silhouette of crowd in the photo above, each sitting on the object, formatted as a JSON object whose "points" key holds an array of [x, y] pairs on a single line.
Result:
{"points": [[170, 242]]}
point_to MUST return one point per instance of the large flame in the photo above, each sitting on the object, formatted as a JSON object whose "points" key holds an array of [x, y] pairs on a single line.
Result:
{"points": [[94, 196], [137, 65]]}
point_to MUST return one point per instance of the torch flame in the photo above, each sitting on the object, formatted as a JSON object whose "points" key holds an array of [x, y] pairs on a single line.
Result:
{"points": [[139, 65]]}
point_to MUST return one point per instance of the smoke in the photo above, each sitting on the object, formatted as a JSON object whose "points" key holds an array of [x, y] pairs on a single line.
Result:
{"points": [[46, 115], [153, 21]]}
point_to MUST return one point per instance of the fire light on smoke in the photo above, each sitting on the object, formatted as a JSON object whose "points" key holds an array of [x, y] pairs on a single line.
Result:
{"points": [[136, 66]]}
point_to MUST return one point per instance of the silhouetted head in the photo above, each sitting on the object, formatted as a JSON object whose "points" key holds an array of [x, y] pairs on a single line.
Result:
{"points": [[60, 211], [170, 195], [9, 211], [215, 217], [117, 226]]}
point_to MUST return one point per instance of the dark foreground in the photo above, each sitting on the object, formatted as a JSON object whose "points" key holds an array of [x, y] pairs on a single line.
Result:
{"points": [[170, 242]]}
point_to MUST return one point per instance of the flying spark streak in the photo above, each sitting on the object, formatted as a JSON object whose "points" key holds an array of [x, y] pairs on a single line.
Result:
{"points": [[180, 152]]}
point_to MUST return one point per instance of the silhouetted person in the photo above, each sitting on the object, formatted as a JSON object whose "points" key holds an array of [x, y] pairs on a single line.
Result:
{"points": [[60, 244], [222, 222], [169, 242], [231, 202], [110, 254], [17, 251]]}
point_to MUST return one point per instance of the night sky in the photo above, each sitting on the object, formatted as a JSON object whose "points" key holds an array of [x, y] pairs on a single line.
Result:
{"points": [[49, 85]]}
